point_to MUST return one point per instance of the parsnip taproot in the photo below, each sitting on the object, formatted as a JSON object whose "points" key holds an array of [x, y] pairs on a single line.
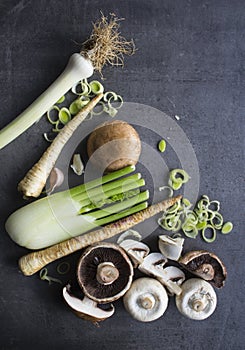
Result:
{"points": [[34, 181], [33, 262]]}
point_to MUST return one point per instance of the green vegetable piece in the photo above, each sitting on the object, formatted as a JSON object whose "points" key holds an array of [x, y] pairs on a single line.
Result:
{"points": [[212, 238], [64, 115], [73, 109], [181, 174], [96, 87], [186, 202], [44, 276], [190, 230], [50, 112], [60, 100], [176, 185], [227, 227], [201, 224], [162, 145], [63, 268]]}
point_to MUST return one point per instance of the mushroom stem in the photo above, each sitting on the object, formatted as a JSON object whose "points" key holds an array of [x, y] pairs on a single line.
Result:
{"points": [[206, 271], [147, 301], [198, 305], [107, 273]]}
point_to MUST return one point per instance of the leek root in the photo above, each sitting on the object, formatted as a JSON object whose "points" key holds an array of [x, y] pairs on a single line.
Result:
{"points": [[34, 181], [33, 262]]}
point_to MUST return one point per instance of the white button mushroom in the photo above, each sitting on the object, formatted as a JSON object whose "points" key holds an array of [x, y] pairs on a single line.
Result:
{"points": [[146, 300], [170, 247], [198, 299], [137, 251]]}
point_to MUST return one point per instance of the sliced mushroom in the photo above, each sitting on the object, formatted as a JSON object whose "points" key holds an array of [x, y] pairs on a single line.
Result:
{"points": [[171, 247], [173, 277], [86, 308], [198, 299], [137, 251], [104, 272], [205, 265], [153, 265], [146, 300]]}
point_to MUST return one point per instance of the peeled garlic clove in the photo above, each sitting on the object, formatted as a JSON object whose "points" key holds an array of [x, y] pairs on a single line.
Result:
{"points": [[77, 164], [170, 247], [56, 179]]}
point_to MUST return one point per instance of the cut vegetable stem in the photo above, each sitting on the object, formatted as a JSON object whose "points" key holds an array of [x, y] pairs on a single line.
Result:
{"points": [[102, 180], [100, 190], [106, 196]]}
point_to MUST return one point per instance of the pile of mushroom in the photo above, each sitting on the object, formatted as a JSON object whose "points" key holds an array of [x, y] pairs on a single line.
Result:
{"points": [[105, 273]]}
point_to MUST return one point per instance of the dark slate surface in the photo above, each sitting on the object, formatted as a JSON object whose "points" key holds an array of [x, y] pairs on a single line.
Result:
{"points": [[190, 63]]}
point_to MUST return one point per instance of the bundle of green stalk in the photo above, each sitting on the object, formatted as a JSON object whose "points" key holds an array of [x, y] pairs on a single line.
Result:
{"points": [[69, 213]]}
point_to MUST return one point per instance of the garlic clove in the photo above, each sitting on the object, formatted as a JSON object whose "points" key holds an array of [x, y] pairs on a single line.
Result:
{"points": [[56, 179], [77, 164]]}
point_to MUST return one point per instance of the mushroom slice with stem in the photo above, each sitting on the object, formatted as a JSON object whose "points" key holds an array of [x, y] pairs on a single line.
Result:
{"points": [[173, 278], [205, 265], [104, 272], [153, 265], [171, 247], [137, 251], [86, 308], [146, 300], [198, 299]]}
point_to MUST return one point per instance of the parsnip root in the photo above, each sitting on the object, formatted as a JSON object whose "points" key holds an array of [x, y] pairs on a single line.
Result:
{"points": [[33, 262], [35, 180]]}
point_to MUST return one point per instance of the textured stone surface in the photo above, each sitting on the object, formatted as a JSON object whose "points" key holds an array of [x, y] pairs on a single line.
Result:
{"points": [[190, 63]]}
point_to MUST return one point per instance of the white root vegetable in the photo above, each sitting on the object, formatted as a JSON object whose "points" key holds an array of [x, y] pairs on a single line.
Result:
{"points": [[34, 181]]}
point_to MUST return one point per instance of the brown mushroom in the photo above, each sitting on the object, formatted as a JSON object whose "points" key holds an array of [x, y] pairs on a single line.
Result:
{"points": [[114, 145], [104, 272], [205, 265]]}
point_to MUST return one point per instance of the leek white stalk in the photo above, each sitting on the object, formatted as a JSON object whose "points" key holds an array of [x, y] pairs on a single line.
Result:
{"points": [[78, 68]]}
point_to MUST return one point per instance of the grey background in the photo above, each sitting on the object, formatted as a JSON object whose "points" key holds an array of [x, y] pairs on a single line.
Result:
{"points": [[190, 62]]}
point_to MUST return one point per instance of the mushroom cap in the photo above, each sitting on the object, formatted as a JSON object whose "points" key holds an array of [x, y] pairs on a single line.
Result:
{"points": [[87, 270], [146, 300], [114, 145], [198, 299], [205, 265]]}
